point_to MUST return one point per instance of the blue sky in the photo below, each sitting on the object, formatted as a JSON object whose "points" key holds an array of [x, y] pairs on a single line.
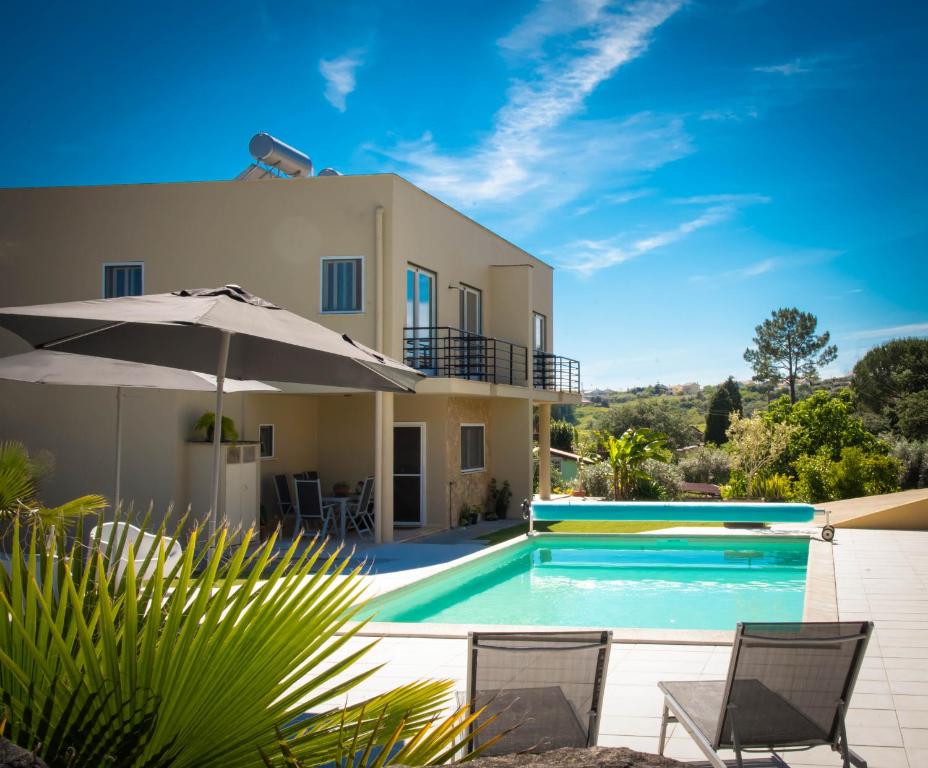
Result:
{"points": [[687, 166]]}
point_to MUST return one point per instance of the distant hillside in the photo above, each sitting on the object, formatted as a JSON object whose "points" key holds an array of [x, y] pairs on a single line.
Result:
{"points": [[692, 399]]}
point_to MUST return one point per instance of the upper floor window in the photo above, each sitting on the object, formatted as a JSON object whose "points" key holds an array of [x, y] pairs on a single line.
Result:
{"points": [[539, 332], [342, 284], [122, 279]]}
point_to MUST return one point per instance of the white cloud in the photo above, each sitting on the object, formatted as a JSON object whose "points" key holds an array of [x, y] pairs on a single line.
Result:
{"points": [[340, 79], [540, 150], [913, 329], [742, 199], [589, 256], [617, 198], [797, 66]]}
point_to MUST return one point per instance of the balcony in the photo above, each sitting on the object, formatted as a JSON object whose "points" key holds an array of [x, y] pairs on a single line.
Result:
{"points": [[448, 352], [452, 353], [556, 373]]}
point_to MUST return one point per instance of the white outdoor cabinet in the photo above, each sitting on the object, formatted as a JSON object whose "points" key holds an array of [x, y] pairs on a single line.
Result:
{"points": [[239, 482]]}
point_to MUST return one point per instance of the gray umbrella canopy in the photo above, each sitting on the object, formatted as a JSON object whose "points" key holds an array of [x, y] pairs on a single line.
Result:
{"points": [[223, 330], [62, 368], [186, 330]]}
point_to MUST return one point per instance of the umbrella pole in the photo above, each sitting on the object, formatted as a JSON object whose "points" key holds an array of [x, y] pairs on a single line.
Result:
{"points": [[116, 494], [217, 427]]}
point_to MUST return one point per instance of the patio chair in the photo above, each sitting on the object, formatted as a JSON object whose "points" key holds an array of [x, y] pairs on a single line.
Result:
{"points": [[359, 514], [114, 542], [284, 499], [306, 475], [788, 687], [545, 688], [309, 506]]}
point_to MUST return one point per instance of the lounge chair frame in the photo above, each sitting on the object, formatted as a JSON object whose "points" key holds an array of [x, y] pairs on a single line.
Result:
{"points": [[544, 642], [675, 712]]}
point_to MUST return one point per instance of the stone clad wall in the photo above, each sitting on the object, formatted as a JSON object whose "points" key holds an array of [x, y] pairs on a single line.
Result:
{"points": [[469, 487]]}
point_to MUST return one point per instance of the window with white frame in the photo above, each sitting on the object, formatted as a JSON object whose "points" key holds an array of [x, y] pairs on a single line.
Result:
{"points": [[342, 284], [122, 279], [472, 447], [266, 437]]}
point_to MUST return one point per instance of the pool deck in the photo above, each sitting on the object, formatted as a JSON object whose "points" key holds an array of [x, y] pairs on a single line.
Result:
{"points": [[878, 575]]}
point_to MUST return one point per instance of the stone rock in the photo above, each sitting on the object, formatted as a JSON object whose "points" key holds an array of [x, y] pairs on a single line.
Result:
{"points": [[572, 757], [12, 756]]}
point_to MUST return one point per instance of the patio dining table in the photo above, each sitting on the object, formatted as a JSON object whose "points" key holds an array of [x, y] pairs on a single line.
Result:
{"points": [[342, 503]]}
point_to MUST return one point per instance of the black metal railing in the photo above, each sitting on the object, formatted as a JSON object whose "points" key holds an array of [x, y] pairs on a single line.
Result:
{"points": [[556, 373], [452, 353]]}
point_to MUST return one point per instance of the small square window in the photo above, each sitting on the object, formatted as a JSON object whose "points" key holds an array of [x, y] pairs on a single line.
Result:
{"points": [[266, 438], [342, 284], [124, 279], [472, 447]]}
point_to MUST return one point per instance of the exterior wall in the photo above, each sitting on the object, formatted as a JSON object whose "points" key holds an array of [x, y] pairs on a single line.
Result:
{"points": [[268, 236]]}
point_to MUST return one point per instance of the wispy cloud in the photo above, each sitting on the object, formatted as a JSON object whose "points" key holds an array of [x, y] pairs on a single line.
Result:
{"points": [[796, 66], [589, 256], [743, 273], [913, 329], [340, 77], [739, 199], [617, 198], [539, 146], [731, 114]]}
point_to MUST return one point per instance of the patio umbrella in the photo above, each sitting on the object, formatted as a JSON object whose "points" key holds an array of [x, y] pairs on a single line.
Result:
{"points": [[224, 330], [47, 367]]}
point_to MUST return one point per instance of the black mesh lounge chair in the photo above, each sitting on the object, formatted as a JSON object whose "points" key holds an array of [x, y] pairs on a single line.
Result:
{"points": [[548, 686], [788, 687]]}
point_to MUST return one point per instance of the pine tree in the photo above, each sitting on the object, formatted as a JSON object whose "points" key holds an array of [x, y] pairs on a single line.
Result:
{"points": [[718, 416], [734, 392]]}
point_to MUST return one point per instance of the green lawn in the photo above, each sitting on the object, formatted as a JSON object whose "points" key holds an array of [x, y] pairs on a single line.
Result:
{"points": [[589, 526]]}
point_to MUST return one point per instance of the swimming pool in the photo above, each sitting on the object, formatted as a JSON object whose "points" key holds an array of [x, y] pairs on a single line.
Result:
{"points": [[704, 582]]}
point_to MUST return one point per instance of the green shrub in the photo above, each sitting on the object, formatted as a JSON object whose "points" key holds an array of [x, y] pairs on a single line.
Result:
{"points": [[207, 423], [775, 487], [913, 458], [813, 479], [597, 480], [563, 435], [863, 474], [664, 482], [706, 464], [557, 482], [736, 487]]}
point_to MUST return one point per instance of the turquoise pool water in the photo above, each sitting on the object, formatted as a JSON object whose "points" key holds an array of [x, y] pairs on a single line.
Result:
{"points": [[705, 582]]}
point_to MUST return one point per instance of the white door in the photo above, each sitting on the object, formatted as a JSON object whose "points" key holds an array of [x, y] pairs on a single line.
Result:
{"points": [[409, 474], [421, 334]]}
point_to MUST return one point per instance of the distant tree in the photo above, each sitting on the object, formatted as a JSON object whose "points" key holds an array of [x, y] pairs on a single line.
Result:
{"points": [[889, 380], [718, 417], [756, 443], [734, 392], [911, 415], [824, 425], [564, 413], [563, 435], [650, 413], [788, 350]]}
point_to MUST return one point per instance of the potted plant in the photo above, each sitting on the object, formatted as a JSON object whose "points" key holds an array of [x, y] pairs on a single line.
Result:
{"points": [[498, 498], [474, 514], [341, 488], [207, 424], [464, 516]]}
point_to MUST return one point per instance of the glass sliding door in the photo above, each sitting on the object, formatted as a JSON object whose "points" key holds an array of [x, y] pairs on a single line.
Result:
{"points": [[420, 319]]}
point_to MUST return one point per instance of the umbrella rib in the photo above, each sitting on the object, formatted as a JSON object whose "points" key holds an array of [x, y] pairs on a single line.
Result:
{"points": [[383, 376], [81, 335]]}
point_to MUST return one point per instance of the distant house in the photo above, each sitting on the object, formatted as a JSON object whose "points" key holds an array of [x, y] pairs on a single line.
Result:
{"points": [[566, 463]]}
